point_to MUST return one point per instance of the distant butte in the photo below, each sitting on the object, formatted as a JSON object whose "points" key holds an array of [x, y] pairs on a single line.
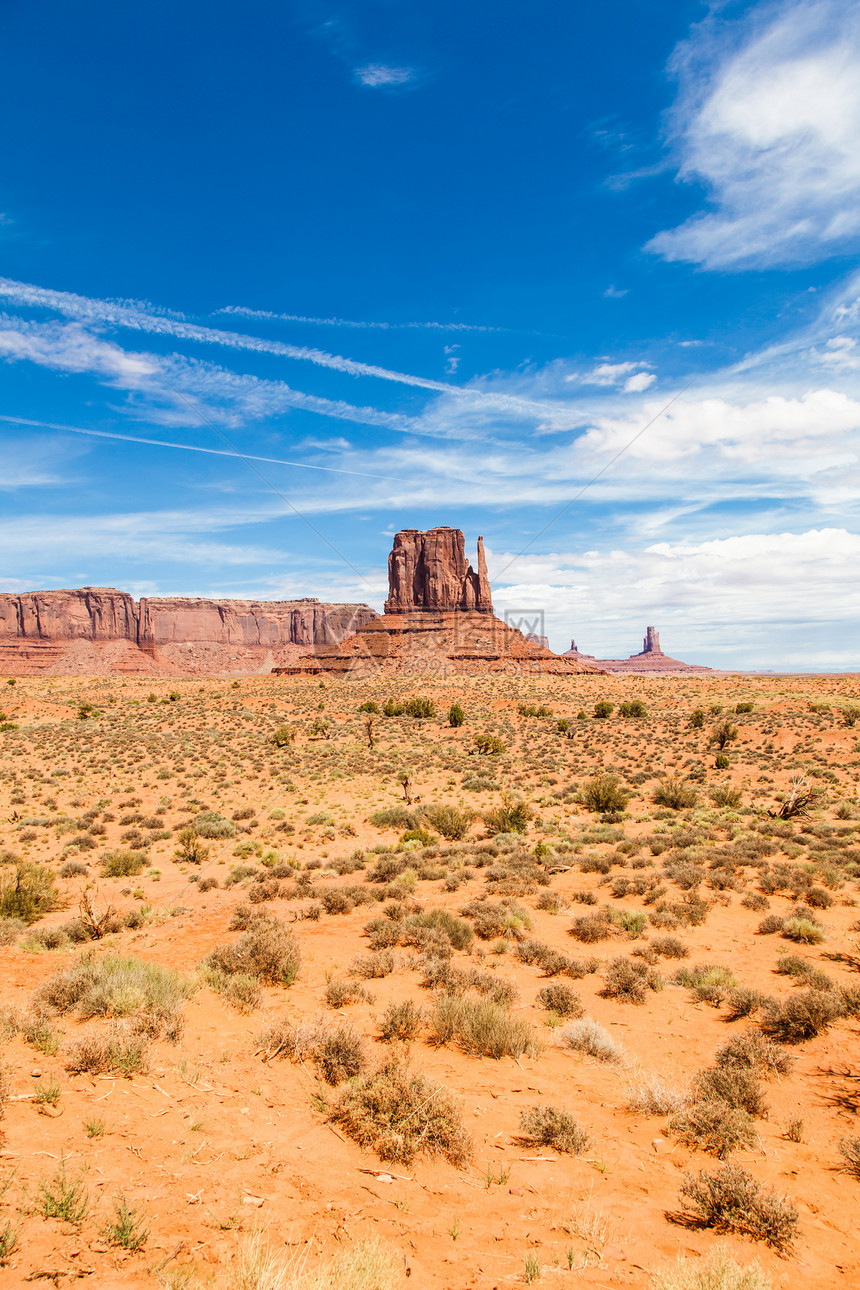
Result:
{"points": [[438, 620], [650, 661]]}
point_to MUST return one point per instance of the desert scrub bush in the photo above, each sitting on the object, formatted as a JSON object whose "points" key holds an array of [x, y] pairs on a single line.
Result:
{"points": [[191, 849], [268, 951], [738, 1086], [211, 824], [113, 985], [590, 928], [801, 1016], [628, 982], [512, 815], [399, 1114], [743, 1001], [28, 893], [717, 1271], [126, 1226], [755, 901], [338, 1052], [669, 947], [588, 1037], [631, 921], [393, 817], [373, 966], [479, 784], [803, 931], [849, 1149], [339, 993], [603, 709], [723, 734], [456, 715], [492, 919], [632, 708], [712, 1125], [117, 1054], [560, 999], [551, 1126], [123, 864], [603, 793], [675, 794], [655, 1095], [709, 982], [480, 1027], [64, 1196], [239, 989], [283, 736], [72, 869], [751, 1049], [724, 796], [401, 1021], [489, 745], [452, 822], [730, 1200]]}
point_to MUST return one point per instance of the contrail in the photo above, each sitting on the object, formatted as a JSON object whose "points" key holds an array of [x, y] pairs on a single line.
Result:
{"points": [[188, 447]]}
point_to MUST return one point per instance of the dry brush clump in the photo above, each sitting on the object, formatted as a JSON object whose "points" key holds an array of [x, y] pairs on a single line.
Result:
{"points": [[114, 985], [731, 1200], [399, 1114]]}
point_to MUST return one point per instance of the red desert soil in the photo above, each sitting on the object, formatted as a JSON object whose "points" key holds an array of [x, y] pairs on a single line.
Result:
{"points": [[210, 1141]]}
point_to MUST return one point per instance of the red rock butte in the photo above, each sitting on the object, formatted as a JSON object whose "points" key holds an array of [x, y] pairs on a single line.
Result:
{"points": [[99, 631], [438, 621], [650, 661]]}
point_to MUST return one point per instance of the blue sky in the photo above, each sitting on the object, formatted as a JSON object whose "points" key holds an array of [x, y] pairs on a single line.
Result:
{"points": [[582, 279]]}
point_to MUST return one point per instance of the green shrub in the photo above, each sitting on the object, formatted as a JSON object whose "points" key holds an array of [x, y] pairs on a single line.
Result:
{"points": [[511, 816], [211, 824], [480, 1027], [191, 849], [28, 893], [123, 864], [723, 795], [114, 985], [675, 793], [697, 718], [393, 817], [489, 745], [724, 734], [456, 715], [370, 707], [282, 736], [603, 793], [451, 821], [633, 708], [603, 709], [721, 761]]}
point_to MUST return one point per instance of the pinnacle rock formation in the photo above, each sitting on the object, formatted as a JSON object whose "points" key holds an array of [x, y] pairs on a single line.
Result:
{"points": [[428, 570], [438, 621], [649, 661], [99, 631]]}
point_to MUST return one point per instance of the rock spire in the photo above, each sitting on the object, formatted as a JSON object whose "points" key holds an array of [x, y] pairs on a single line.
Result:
{"points": [[428, 570]]}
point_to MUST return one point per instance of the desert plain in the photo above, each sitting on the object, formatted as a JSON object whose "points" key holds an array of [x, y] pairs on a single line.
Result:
{"points": [[286, 979]]}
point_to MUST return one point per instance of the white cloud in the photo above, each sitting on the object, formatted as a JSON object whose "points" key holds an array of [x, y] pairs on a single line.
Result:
{"points": [[636, 384], [760, 600], [265, 315], [768, 121], [378, 75]]}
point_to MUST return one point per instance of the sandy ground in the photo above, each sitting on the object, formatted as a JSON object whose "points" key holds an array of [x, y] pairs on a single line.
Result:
{"points": [[210, 1141]]}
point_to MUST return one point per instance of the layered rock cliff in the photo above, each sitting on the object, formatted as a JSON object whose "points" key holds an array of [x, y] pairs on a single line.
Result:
{"points": [[100, 631], [428, 571]]}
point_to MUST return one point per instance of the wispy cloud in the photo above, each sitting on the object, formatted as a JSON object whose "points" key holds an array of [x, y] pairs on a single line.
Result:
{"points": [[266, 315], [382, 76], [768, 121]]}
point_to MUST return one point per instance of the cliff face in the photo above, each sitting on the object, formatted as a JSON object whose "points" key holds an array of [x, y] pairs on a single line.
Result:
{"points": [[98, 630], [429, 571]]}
